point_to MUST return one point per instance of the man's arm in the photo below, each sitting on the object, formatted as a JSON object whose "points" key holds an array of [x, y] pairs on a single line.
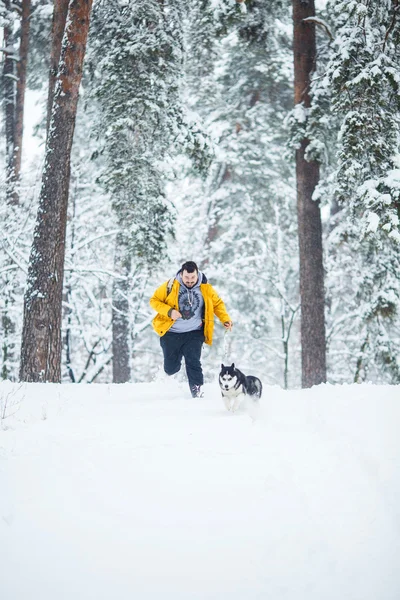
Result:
{"points": [[157, 301], [220, 310]]}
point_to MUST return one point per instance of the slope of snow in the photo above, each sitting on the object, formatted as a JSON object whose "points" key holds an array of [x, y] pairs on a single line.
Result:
{"points": [[137, 491]]}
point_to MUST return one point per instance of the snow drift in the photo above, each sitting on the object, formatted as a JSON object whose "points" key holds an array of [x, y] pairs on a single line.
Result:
{"points": [[138, 491]]}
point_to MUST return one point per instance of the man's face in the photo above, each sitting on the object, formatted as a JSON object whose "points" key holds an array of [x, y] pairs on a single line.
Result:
{"points": [[189, 279]]}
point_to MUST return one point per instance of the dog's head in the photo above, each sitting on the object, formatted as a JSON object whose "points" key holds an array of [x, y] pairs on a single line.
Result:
{"points": [[227, 377]]}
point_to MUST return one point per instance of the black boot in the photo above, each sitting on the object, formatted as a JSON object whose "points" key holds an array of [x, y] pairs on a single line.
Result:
{"points": [[196, 391]]}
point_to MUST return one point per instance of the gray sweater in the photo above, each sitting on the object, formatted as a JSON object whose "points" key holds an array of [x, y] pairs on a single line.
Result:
{"points": [[191, 307]]}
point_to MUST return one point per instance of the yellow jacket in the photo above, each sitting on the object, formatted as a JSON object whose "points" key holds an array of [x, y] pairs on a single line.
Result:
{"points": [[162, 304]]}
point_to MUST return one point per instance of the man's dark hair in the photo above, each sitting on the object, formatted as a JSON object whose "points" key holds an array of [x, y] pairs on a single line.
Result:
{"points": [[190, 267]]}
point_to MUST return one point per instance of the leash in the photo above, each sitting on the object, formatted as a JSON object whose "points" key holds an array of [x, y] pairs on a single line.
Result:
{"points": [[227, 346]]}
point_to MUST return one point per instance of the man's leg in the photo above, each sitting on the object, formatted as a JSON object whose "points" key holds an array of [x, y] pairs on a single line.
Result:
{"points": [[192, 353], [171, 344]]}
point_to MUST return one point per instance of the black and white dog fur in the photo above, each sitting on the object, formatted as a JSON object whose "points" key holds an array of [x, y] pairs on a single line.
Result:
{"points": [[235, 385]]}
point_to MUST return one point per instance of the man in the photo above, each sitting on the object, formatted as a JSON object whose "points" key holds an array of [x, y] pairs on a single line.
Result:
{"points": [[185, 309]]}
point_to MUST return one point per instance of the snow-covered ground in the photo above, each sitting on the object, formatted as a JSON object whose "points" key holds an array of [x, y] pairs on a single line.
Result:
{"points": [[140, 492]]}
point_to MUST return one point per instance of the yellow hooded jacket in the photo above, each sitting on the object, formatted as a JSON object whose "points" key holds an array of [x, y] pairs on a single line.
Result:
{"points": [[162, 302]]}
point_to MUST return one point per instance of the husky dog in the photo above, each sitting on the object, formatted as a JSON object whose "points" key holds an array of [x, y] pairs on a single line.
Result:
{"points": [[235, 386]]}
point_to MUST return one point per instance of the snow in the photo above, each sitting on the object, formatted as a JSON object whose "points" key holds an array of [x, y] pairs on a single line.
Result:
{"points": [[395, 235], [300, 113], [138, 491], [393, 177], [373, 221]]}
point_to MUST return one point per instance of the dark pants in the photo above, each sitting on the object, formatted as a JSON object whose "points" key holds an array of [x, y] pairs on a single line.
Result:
{"points": [[187, 345]]}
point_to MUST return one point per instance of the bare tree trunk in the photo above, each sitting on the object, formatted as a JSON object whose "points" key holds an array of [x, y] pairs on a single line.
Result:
{"points": [[8, 334], [213, 218], [41, 336], [67, 296], [121, 348], [9, 78], [309, 217], [361, 368], [60, 11], [21, 87]]}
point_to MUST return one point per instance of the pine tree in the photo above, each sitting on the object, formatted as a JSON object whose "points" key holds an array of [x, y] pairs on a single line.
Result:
{"points": [[365, 89], [20, 89], [137, 69], [15, 20], [41, 337], [60, 12], [241, 221], [313, 343]]}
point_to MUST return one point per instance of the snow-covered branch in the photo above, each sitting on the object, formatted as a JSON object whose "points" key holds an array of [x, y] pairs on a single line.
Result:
{"points": [[93, 239], [96, 272], [322, 23], [14, 259]]}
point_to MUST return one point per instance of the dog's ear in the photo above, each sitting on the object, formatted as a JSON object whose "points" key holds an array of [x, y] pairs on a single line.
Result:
{"points": [[222, 366], [233, 366]]}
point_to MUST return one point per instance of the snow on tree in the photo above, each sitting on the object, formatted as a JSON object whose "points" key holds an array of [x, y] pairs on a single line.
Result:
{"points": [[171, 89], [240, 223], [137, 69], [313, 341], [363, 77], [41, 336]]}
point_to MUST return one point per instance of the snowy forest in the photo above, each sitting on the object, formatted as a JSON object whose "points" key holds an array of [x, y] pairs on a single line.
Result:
{"points": [[259, 138]]}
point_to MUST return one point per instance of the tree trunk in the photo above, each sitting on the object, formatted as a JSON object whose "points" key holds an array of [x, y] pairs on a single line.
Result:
{"points": [[121, 348], [313, 344], [9, 78], [8, 349], [21, 87], [41, 336], [60, 11]]}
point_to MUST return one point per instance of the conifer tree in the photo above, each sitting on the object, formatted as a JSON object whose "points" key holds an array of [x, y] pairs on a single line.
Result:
{"points": [[60, 10], [313, 343], [240, 85], [41, 336], [15, 21], [137, 66], [365, 89], [21, 89]]}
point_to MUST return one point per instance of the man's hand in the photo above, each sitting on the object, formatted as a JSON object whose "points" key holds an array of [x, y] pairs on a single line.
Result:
{"points": [[175, 314], [228, 325]]}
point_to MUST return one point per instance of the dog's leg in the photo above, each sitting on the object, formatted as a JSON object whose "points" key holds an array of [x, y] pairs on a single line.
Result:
{"points": [[237, 402], [227, 402]]}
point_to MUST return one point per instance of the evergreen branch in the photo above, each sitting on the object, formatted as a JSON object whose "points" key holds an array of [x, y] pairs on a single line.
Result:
{"points": [[9, 51], [324, 25], [392, 24], [16, 7], [10, 76]]}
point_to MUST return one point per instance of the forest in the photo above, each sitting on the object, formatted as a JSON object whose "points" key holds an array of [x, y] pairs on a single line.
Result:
{"points": [[259, 138]]}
